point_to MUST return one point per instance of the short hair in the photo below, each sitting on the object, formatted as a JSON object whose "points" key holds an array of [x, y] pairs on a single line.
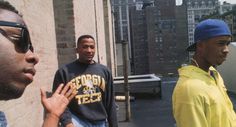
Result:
{"points": [[83, 37], [7, 6]]}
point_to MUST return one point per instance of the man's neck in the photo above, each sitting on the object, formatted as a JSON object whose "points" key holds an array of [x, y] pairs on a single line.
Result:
{"points": [[200, 63], [87, 62]]}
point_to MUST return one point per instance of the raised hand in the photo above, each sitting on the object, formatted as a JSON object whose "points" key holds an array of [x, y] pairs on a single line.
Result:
{"points": [[57, 103]]}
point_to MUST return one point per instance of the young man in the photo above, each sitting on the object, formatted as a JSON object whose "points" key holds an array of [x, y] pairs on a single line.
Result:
{"points": [[17, 62], [94, 103], [200, 98]]}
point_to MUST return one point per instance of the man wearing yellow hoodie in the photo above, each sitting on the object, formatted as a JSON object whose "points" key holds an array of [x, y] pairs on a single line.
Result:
{"points": [[200, 98]]}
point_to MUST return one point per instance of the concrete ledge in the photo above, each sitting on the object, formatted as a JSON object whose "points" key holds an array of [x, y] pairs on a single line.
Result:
{"points": [[148, 83]]}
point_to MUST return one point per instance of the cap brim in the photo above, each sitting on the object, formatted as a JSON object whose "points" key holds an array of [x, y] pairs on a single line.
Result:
{"points": [[191, 47]]}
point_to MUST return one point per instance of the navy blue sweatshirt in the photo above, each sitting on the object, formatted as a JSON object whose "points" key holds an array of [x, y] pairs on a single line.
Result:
{"points": [[95, 98]]}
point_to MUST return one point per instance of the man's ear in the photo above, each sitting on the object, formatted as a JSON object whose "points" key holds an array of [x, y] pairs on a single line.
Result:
{"points": [[76, 49]]}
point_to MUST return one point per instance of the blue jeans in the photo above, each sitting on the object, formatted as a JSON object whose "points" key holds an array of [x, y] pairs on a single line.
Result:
{"points": [[3, 121], [85, 123]]}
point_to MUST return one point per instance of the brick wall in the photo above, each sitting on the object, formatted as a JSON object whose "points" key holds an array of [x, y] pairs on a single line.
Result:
{"points": [[65, 30]]}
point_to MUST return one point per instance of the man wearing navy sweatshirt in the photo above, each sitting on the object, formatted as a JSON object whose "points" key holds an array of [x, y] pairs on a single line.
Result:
{"points": [[94, 104]]}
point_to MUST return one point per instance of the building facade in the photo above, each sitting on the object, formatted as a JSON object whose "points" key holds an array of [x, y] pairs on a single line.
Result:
{"points": [[225, 7], [156, 46], [139, 44]]}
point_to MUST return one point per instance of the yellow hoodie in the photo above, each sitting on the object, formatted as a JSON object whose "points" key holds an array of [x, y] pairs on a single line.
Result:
{"points": [[200, 100]]}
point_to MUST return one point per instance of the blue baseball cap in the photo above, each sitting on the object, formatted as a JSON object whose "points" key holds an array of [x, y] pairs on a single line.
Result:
{"points": [[207, 29]]}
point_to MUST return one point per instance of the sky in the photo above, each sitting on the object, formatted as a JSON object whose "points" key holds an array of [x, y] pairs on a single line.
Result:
{"points": [[178, 2]]}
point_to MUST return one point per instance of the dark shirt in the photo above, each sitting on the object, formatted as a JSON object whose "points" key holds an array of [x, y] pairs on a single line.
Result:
{"points": [[95, 98]]}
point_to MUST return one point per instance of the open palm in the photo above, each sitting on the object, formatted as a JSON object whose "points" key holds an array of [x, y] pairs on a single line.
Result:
{"points": [[57, 103]]}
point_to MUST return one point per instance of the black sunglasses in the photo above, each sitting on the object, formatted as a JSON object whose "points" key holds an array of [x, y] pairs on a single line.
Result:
{"points": [[23, 42]]}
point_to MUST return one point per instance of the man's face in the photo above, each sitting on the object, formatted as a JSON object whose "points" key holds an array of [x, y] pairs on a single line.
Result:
{"points": [[86, 50], [216, 50], [16, 65]]}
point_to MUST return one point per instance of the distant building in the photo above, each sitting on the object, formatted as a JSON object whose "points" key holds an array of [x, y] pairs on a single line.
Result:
{"points": [[161, 38], [121, 18], [181, 34], [156, 46], [225, 7], [121, 23], [120, 10], [158, 35], [139, 47]]}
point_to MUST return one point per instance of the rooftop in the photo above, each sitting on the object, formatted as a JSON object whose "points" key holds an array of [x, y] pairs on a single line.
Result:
{"points": [[152, 111]]}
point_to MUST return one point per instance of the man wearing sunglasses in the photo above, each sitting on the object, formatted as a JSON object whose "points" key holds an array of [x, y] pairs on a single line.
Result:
{"points": [[17, 61]]}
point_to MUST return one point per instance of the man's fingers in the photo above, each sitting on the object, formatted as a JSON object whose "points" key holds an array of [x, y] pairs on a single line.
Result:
{"points": [[43, 94], [59, 88], [65, 89], [72, 90], [68, 93], [72, 95]]}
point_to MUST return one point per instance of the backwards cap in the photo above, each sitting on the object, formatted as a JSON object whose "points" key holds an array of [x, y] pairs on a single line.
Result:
{"points": [[208, 29]]}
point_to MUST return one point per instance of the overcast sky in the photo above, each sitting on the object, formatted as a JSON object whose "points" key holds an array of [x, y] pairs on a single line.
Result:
{"points": [[178, 2]]}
